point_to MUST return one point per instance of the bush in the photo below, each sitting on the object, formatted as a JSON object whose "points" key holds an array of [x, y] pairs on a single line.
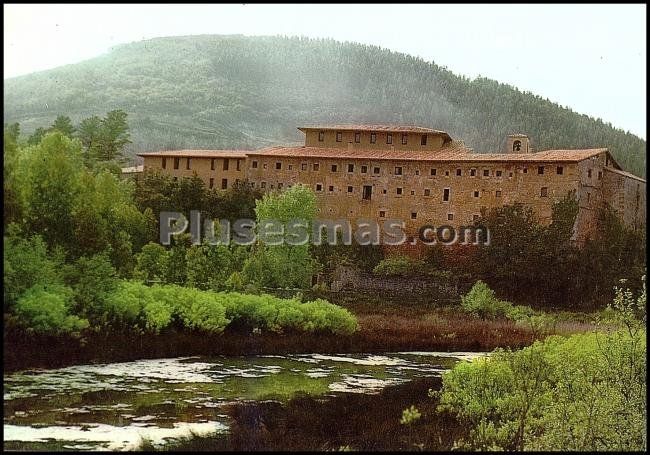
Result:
{"points": [[45, 310], [398, 266], [481, 302]]}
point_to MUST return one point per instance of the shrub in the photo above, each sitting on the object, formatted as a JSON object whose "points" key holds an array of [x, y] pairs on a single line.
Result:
{"points": [[45, 310], [481, 302], [398, 266]]}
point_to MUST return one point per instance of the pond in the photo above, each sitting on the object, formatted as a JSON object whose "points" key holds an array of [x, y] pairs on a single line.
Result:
{"points": [[120, 406]]}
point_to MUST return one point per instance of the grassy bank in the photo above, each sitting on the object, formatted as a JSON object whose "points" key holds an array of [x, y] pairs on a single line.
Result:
{"points": [[383, 326]]}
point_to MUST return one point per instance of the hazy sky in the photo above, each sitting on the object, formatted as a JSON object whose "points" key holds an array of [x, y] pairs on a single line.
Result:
{"points": [[591, 58]]}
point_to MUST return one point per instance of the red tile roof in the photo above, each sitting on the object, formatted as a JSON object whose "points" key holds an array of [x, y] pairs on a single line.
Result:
{"points": [[374, 127], [199, 153], [456, 151]]}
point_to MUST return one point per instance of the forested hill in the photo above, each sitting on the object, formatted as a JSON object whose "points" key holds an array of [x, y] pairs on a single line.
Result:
{"points": [[218, 91]]}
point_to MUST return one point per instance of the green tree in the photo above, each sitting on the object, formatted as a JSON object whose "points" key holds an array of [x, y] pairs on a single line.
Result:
{"points": [[63, 124]]}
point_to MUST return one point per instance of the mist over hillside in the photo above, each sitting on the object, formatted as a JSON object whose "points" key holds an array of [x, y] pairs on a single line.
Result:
{"points": [[215, 91]]}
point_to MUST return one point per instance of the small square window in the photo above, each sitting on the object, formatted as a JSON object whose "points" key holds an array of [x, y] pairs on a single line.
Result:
{"points": [[499, 173], [331, 188], [398, 170], [417, 172], [412, 193], [376, 170], [544, 192], [350, 167], [399, 191], [373, 138], [349, 189], [476, 194], [427, 192], [334, 167], [433, 171], [389, 138], [498, 193], [264, 166], [450, 216], [224, 184], [316, 166], [414, 215], [486, 172], [364, 169], [540, 170], [404, 139], [278, 165], [472, 172], [384, 191], [382, 214], [459, 172], [291, 167], [339, 136], [321, 136], [357, 137], [254, 165], [319, 187], [525, 170], [303, 167], [560, 170], [446, 173]]}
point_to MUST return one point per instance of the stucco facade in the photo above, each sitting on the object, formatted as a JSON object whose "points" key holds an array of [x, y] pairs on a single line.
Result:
{"points": [[357, 173]]}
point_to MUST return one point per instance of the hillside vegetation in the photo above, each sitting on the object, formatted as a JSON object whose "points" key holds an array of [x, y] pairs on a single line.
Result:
{"points": [[217, 91]]}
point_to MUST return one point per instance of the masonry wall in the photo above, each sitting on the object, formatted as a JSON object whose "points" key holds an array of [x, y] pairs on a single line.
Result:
{"points": [[413, 140], [626, 195], [202, 167]]}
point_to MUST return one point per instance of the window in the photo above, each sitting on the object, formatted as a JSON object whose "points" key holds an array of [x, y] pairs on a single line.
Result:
{"points": [[349, 189], [279, 186], [225, 164], [525, 170], [389, 138], [373, 138], [376, 170], [331, 188], [357, 137], [412, 192], [289, 168], [334, 167], [476, 193], [316, 166], [589, 173], [303, 167], [399, 191], [382, 214], [164, 163], [560, 170], [212, 164], [544, 192], [499, 173], [321, 136], [540, 170], [364, 169], [588, 196], [486, 172], [445, 194], [433, 171], [339, 136], [423, 140], [475, 217], [319, 187], [472, 172], [384, 191], [278, 165], [265, 165], [417, 172], [600, 175], [367, 192], [398, 170], [498, 193], [211, 182], [427, 192], [414, 215], [224, 184], [350, 167], [459, 172], [177, 162], [404, 139], [516, 146], [450, 216], [263, 185], [238, 165]]}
